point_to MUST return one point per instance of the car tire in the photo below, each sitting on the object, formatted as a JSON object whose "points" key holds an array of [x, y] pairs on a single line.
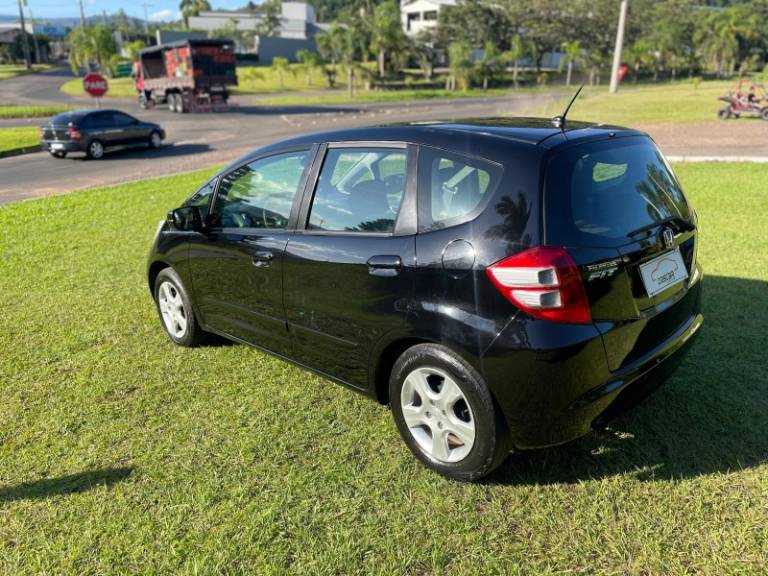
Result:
{"points": [[155, 140], [175, 310], [724, 113], [171, 99], [446, 414], [95, 150], [764, 114], [181, 104]]}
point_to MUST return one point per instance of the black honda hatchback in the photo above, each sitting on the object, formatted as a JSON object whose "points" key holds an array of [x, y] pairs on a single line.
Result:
{"points": [[501, 284]]}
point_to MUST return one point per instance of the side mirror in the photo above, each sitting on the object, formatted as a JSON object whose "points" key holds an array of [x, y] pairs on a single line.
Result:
{"points": [[185, 219]]}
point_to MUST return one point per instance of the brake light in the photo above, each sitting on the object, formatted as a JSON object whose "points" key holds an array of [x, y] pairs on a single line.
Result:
{"points": [[42, 133], [544, 282], [73, 133]]}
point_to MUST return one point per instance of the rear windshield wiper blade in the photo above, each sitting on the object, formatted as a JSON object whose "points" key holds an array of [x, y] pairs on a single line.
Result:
{"points": [[680, 223]]}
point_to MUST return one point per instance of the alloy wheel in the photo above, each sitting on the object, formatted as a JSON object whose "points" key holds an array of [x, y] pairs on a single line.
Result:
{"points": [[172, 309], [96, 149], [438, 414]]}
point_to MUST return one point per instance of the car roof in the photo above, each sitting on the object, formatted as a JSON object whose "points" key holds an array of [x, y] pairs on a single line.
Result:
{"points": [[481, 132]]}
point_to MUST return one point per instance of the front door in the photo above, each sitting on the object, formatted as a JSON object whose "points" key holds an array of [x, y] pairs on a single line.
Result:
{"points": [[237, 267], [348, 274]]}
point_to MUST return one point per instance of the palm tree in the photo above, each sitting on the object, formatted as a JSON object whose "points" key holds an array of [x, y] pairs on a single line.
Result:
{"points": [[309, 61], [572, 54], [330, 44], [386, 32], [91, 44], [517, 50], [490, 64], [192, 8], [280, 66], [459, 64]]}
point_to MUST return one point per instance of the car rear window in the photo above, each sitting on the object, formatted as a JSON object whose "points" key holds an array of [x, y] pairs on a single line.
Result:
{"points": [[67, 117], [597, 194]]}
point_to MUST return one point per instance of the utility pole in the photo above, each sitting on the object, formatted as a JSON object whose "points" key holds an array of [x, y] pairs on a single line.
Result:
{"points": [[146, 20], [82, 14], [34, 37], [25, 40], [619, 45]]}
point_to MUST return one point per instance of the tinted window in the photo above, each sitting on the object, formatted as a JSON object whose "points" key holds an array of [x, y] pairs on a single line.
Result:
{"points": [[599, 193], [454, 185], [260, 194], [359, 190], [67, 117], [202, 197], [120, 119]]}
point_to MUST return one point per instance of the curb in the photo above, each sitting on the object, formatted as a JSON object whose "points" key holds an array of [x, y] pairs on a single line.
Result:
{"points": [[20, 151], [692, 159]]}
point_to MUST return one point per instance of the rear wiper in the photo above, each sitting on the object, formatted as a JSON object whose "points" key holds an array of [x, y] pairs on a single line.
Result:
{"points": [[681, 224]]}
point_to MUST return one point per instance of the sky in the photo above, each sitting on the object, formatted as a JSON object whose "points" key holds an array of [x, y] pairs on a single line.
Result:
{"points": [[157, 10]]}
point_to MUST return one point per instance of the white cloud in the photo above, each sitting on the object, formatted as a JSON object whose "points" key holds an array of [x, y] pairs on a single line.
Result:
{"points": [[163, 15]]}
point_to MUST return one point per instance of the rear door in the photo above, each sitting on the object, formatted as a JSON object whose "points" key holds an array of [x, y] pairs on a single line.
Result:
{"points": [[621, 213], [349, 272], [237, 266]]}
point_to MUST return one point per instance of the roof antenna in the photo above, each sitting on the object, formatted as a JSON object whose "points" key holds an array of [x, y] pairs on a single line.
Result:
{"points": [[559, 121]]}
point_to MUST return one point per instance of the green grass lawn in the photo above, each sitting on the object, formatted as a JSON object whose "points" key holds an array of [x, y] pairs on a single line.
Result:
{"points": [[22, 111], [671, 102], [12, 70], [120, 453], [13, 138]]}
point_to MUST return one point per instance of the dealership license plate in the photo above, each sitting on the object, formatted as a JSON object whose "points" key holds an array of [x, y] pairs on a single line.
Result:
{"points": [[57, 146], [663, 271]]}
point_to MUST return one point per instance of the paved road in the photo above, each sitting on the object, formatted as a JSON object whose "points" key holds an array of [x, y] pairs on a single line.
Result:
{"points": [[198, 140]]}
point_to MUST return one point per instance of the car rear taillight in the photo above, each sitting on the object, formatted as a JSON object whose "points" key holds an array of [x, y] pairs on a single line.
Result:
{"points": [[545, 283], [74, 133], [42, 133]]}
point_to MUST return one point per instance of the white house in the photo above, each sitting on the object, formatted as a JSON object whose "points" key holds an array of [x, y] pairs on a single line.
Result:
{"points": [[419, 15], [297, 20]]}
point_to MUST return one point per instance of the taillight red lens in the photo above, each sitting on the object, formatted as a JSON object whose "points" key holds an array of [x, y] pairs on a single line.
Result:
{"points": [[545, 283], [73, 133], [42, 133]]}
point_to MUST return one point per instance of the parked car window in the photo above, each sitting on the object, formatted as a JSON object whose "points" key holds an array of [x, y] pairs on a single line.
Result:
{"points": [[202, 198], [359, 190], [455, 185], [99, 119], [260, 194]]}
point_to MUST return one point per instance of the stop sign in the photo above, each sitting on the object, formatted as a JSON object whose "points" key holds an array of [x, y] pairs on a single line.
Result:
{"points": [[95, 84]]}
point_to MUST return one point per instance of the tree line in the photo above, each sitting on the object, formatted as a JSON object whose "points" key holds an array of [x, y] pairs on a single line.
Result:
{"points": [[480, 39]]}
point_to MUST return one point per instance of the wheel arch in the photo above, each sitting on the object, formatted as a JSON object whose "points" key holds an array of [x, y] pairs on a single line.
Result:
{"points": [[154, 269]]}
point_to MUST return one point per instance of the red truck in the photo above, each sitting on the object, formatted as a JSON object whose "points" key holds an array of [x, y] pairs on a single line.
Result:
{"points": [[190, 75]]}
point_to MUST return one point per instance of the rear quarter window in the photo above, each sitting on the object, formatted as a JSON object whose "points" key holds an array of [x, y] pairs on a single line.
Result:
{"points": [[453, 188], [597, 194]]}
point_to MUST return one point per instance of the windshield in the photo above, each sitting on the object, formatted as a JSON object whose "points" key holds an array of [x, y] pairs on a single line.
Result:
{"points": [[599, 194]]}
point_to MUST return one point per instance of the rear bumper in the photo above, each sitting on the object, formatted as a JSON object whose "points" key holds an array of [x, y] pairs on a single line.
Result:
{"points": [[553, 396], [63, 145]]}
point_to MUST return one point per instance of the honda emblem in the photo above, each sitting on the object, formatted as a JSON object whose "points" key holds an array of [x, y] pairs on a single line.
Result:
{"points": [[668, 237]]}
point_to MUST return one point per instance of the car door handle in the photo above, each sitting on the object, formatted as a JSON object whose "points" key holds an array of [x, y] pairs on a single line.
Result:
{"points": [[384, 265], [262, 258]]}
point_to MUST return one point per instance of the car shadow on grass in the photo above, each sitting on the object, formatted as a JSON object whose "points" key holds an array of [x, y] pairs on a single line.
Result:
{"points": [[63, 485], [710, 417]]}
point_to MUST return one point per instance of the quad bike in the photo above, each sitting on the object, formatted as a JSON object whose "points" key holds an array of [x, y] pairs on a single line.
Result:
{"points": [[745, 98]]}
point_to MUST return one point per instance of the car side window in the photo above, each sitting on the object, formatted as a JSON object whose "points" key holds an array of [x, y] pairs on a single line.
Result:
{"points": [[260, 194], [455, 185], [359, 190], [120, 119], [202, 198]]}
